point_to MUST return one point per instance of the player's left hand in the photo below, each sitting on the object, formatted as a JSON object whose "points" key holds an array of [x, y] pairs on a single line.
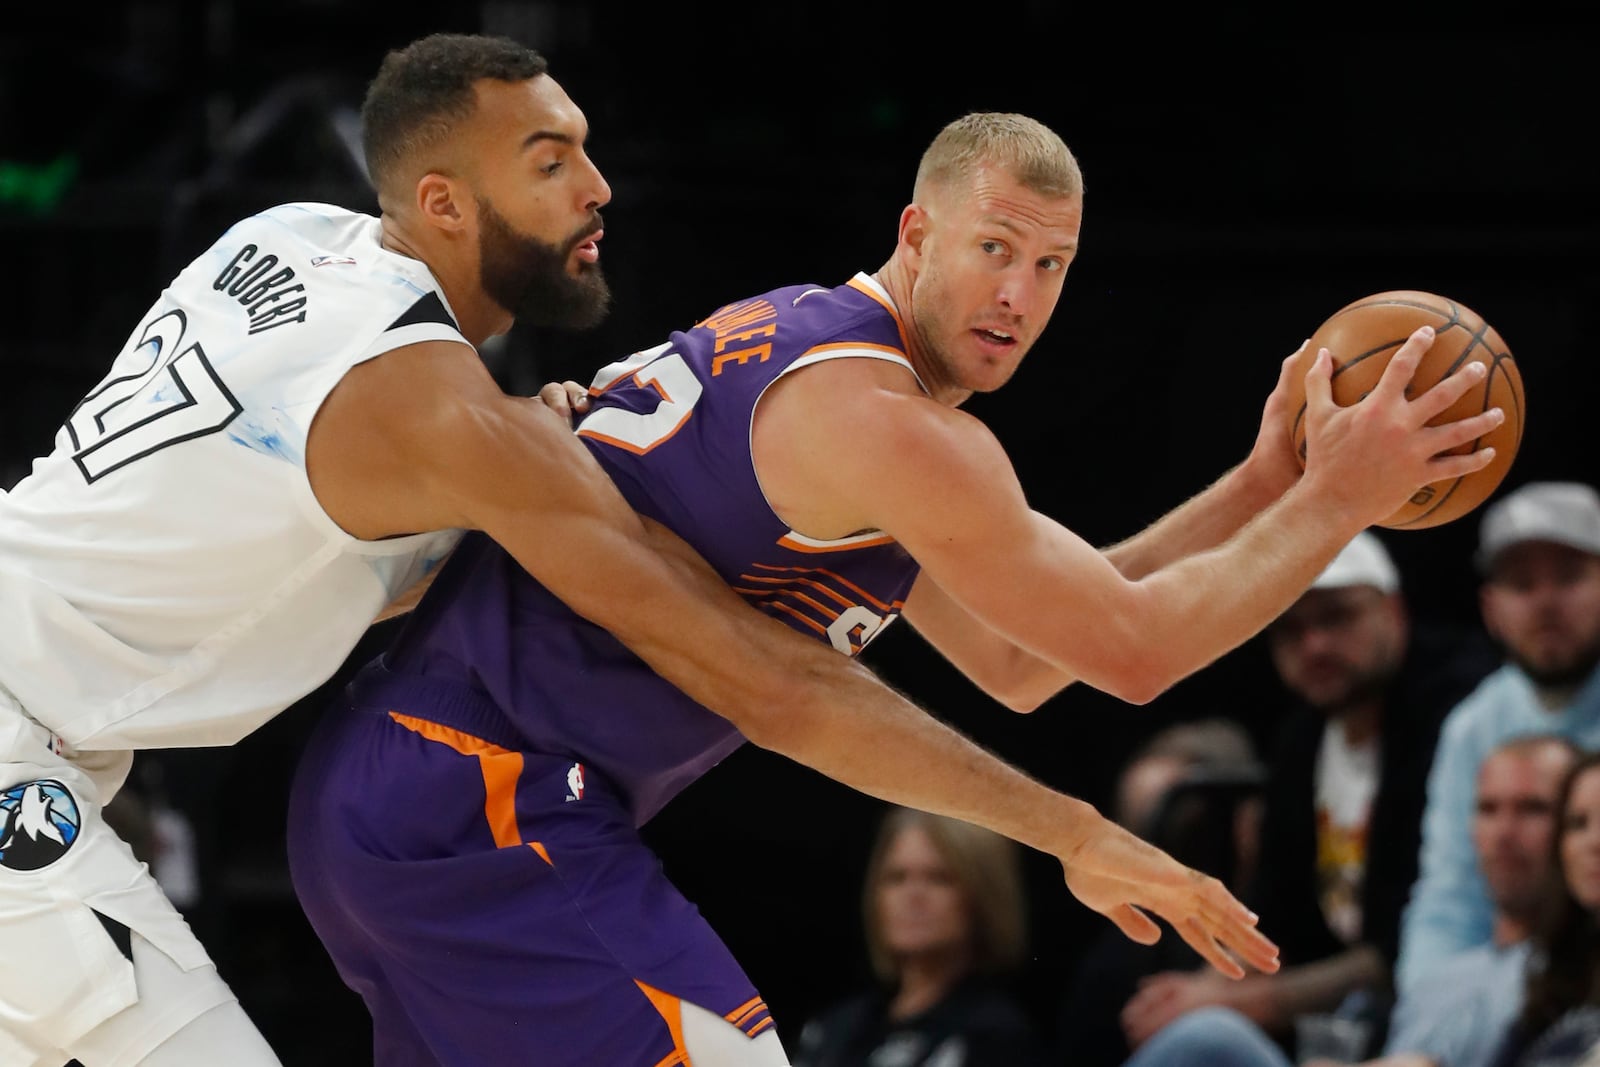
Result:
{"points": [[567, 399], [1272, 457], [1127, 879]]}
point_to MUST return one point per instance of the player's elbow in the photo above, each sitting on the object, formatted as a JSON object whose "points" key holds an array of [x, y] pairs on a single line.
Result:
{"points": [[1138, 691], [805, 698], [1131, 659], [782, 707], [779, 687], [1022, 703], [1023, 699], [1136, 674]]}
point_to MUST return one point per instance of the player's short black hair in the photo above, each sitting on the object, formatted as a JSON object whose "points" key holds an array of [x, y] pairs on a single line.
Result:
{"points": [[422, 89]]}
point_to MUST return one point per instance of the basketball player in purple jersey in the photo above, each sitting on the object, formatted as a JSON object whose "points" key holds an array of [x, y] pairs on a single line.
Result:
{"points": [[463, 826]]}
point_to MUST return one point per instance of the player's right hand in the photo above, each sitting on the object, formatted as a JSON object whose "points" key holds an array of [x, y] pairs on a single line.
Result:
{"points": [[1272, 459], [1127, 880], [567, 399], [1372, 456]]}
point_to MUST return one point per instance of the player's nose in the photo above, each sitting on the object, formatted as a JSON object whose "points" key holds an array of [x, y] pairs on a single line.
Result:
{"points": [[1017, 294], [597, 191]]}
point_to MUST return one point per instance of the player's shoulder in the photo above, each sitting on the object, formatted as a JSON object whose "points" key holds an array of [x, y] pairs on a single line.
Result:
{"points": [[810, 313], [330, 257], [307, 221], [326, 243]]}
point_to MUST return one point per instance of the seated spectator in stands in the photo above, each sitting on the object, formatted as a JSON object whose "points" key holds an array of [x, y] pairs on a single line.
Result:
{"points": [[1560, 1021], [1458, 1019], [946, 924], [1539, 550], [1344, 799], [1174, 780], [1192, 789]]}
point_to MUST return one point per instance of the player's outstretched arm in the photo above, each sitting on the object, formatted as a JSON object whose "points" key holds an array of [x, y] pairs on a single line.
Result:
{"points": [[940, 483]]}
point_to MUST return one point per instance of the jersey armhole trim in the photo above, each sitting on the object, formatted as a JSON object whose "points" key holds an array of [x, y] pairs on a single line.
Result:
{"points": [[306, 497]]}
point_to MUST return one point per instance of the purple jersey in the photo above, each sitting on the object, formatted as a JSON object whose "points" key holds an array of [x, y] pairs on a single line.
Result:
{"points": [[671, 425]]}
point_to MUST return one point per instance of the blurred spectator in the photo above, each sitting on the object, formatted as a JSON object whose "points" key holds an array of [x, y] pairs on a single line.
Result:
{"points": [[1145, 790], [1194, 790], [1539, 549], [1560, 1021], [1458, 1022], [1343, 803], [946, 923]]}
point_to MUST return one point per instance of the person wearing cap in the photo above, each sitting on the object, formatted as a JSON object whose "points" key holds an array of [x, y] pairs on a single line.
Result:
{"points": [[1539, 555], [1467, 1019], [1370, 688]]}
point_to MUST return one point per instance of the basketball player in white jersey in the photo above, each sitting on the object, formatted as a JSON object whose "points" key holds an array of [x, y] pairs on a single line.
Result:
{"points": [[294, 433]]}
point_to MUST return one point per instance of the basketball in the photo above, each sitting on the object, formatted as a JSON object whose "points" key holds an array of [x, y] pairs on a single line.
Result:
{"points": [[1363, 335]]}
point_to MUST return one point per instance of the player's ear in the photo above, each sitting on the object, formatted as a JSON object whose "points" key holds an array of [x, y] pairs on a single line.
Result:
{"points": [[438, 203], [914, 225]]}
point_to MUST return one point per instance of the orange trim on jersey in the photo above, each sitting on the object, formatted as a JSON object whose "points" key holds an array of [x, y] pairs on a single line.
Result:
{"points": [[760, 1026], [501, 768], [899, 324], [847, 583], [813, 623], [540, 849], [834, 593], [830, 615], [798, 546], [738, 1015], [655, 442], [671, 1011], [767, 596]]}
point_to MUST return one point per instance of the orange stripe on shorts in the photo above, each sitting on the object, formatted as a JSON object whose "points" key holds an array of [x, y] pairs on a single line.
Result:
{"points": [[671, 1010], [501, 768]]}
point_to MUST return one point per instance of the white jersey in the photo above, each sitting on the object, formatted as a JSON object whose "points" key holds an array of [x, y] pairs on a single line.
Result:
{"points": [[167, 577]]}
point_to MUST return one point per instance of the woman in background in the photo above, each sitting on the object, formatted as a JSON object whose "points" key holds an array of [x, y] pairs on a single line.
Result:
{"points": [[946, 922], [1560, 1022]]}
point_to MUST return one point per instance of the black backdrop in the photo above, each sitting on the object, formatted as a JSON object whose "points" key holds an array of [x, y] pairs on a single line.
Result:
{"points": [[1246, 177]]}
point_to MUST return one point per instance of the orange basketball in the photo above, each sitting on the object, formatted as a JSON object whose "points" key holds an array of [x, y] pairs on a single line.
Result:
{"points": [[1362, 337]]}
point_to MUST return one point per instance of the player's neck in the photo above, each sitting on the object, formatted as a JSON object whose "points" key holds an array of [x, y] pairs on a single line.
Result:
{"points": [[477, 316], [896, 280]]}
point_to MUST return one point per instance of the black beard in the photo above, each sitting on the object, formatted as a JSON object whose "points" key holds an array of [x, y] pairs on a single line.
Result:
{"points": [[529, 278], [1569, 676]]}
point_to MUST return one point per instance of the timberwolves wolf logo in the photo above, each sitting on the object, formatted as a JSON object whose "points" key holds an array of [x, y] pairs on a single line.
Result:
{"points": [[38, 822]]}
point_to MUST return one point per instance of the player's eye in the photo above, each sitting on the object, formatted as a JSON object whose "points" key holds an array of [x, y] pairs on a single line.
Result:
{"points": [[993, 248], [1052, 264], [551, 168]]}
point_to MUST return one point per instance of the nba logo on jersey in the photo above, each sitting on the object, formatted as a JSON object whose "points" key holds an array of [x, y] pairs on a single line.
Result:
{"points": [[575, 782]]}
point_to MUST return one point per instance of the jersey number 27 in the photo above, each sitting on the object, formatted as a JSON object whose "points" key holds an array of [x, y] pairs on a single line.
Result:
{"points": [[176, 397]]}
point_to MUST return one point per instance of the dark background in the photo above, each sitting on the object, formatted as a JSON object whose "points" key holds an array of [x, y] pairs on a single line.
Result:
{"points": [[1247, 175]]}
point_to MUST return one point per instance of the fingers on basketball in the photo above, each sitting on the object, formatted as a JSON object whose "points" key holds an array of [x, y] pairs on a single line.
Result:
{"points": [[1365, 336]]}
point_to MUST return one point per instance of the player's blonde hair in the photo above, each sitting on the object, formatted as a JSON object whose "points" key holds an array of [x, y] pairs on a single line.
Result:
{"points": [[988, 870], [1026, 149]]}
